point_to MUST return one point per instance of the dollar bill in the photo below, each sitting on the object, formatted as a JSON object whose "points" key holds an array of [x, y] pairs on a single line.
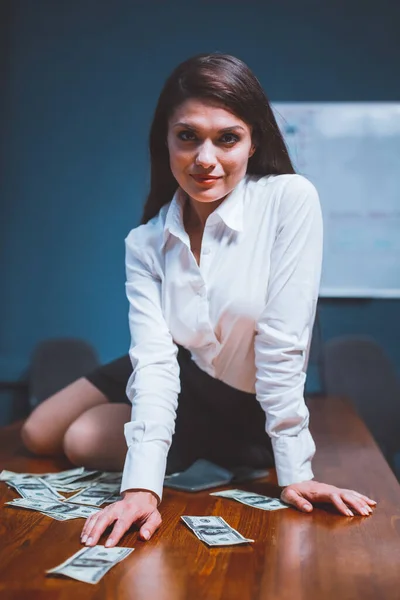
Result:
{"points": [[69, 475], [60, 477], [252, 499], [73, 482], [8, 476], [72, 487], [95, 495], [78, 483], [34, 488], [91, 564], [113, 498], [214, 531], [111, 478], [61, 511]]}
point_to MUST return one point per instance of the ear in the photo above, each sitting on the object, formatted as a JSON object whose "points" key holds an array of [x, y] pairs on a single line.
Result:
{"points": [[252, 150]]}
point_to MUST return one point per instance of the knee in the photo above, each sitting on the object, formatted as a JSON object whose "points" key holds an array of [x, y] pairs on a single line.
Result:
{"points": [[34, 438], [78, 442]]}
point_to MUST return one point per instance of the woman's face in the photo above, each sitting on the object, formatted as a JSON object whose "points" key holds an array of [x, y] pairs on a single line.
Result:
{"points": [[209, 149]]}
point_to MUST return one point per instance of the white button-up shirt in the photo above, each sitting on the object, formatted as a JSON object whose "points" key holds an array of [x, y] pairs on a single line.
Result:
{"points": [[245, 313]]}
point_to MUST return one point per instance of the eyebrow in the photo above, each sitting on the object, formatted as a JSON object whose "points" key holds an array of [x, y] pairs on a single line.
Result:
{"points": [[225, 130]]}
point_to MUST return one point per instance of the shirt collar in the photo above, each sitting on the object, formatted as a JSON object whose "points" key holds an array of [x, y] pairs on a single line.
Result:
{"points": [[174, 217], [230, 211]]}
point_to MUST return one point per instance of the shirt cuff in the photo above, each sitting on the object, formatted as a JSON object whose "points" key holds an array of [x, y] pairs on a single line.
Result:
{"points": [[293, 455], [143, 470]]}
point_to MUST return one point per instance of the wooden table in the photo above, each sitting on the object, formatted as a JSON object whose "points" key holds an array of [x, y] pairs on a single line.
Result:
{"points": [[319, 556]]}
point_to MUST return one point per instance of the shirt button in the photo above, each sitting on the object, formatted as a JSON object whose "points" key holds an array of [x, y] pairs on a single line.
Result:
{"points": [[206, 251]]}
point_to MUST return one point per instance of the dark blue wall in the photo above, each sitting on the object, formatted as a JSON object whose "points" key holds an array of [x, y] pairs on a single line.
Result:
{"points": [[82, 81]]}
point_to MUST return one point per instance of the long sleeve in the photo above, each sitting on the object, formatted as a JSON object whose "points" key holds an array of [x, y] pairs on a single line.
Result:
{"points": [[283, 331], [154, 385]]}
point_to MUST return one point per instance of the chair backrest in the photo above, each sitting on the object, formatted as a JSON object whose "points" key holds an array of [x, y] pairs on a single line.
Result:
{"points": [[358, 368], [57, 362]]}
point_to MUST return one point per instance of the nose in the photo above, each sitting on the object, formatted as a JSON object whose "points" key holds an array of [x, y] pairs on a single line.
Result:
{"points": [[206, 155]]}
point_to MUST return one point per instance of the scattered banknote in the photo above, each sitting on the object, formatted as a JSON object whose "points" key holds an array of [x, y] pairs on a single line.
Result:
{"points": [[68, 481], [68, 488], [8, 476], [78, 483], [34, 488], [95, 495], [114, 498], [87, 479], [214, 531], [61, 511], [93, 488], [72, 474], [69, 475], [91, 564], [252, 499], [111, 478]]}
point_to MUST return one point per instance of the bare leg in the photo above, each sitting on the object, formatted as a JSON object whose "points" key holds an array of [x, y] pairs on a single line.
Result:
{"points": [[96, 439], [44, 430]]}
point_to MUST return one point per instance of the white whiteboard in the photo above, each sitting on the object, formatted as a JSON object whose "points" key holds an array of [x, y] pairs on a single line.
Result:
{"points": [[351, 152]]}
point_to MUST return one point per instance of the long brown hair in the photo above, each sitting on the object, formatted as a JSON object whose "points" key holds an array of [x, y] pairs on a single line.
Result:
{"points": [[226, 81]]}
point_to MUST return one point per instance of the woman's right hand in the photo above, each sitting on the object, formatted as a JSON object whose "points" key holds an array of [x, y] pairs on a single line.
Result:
{"points": [[135, 507]]}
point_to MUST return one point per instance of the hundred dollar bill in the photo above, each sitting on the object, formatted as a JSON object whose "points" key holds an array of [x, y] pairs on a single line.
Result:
{"points": [[111, 477], [34, 488], [72, 487], [95, 495], [61, 511], [87, 479], [66, 477], [252, 499], [214, 531], [113, 498], [91, 564], [70, 480], [73, 482], [8, 476], [69, 475], [78, 483], [58, 476]]}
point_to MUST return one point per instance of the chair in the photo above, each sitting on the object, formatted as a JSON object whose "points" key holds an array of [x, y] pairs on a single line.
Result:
{"points": [[358, 368], [57, 362]]}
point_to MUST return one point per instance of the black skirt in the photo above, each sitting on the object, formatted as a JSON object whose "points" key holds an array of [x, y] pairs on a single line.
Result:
{"points": [[214, 420]]}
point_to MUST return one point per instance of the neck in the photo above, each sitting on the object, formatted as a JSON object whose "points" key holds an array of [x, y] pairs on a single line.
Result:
{"points": [[197, 213]]}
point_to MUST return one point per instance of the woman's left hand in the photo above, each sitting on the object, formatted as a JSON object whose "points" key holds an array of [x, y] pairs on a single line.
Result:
{"points": [[303, 495]]}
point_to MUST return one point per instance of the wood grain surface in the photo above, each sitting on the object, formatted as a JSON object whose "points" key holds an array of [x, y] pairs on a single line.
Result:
{"points": [[295, 556]]}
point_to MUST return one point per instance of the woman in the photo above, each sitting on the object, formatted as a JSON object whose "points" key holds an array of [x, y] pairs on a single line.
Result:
{"points": [[222, 281]]}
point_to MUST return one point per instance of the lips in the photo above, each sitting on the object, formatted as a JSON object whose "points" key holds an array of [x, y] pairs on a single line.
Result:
{"points": [[205, 178]]}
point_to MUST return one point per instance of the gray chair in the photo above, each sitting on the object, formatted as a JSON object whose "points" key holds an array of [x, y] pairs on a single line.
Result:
{"points": [[55, 363], [358, 368]]}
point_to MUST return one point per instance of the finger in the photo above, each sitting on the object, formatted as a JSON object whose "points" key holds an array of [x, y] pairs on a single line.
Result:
{"points": [[103, 521], [366, 499], [90, 527], [121, 526], [292, 497], [359, 505], [340, 505], [370, 501], [150, 526], [87, 527]]}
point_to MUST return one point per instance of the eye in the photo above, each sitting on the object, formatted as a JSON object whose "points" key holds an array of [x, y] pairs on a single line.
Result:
{"points": [[186, 136], [230, 139]]}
